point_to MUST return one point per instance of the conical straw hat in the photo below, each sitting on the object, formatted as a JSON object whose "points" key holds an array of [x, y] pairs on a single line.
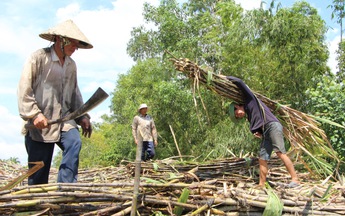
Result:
{"points": [[67, 29]]}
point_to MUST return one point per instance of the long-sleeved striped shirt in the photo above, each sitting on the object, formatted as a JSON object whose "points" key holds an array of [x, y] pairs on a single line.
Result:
{"points": [[51, 89]]}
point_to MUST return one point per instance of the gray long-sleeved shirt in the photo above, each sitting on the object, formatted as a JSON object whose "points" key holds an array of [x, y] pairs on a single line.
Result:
{"points": [[49, 88]]}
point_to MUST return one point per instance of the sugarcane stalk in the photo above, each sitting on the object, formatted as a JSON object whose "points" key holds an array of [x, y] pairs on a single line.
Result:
{"points": [[137, 178], [127, 211], [178, 149], [38, 165], [200, 210], [28, 203], [36, 190], [215, 211], [225, 184], [107, 210]]}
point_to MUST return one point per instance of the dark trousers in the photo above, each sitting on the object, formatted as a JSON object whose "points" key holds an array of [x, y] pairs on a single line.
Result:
{"points": [[148, 151], [70, 144]]}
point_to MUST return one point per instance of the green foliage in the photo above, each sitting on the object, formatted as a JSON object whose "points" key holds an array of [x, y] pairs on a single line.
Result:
{"points": [[182, 199], [338, 12], [91, 153], [158, 213], [227, 139], [274, 205], [278, 52], [285, 46], [326, 100], [341, 62], [119, 137]]}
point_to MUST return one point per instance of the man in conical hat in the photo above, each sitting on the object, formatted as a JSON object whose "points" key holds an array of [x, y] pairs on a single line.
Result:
{"points": [[48, 90]]}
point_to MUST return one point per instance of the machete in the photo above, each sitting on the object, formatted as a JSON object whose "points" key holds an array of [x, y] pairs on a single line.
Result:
{"points": [[97, 97]]}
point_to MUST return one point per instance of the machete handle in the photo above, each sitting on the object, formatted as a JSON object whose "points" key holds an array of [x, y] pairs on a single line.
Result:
{"points": [[31, 126]]}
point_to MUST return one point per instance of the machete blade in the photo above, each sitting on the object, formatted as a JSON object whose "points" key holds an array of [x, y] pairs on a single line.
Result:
{"points": [[98, 97]]}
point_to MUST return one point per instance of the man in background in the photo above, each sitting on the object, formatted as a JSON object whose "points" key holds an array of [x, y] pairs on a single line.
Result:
{"points": [[144, 130]]}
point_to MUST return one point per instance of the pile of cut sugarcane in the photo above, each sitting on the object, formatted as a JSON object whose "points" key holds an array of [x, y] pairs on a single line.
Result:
{"points": [[300, 129], [170, 187]]}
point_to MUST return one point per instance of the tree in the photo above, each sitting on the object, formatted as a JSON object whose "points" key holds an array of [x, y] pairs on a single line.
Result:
{"points": [[171, 105], [340, 75], [276, 51], [339, 13], [326, 100], [285, 46]]}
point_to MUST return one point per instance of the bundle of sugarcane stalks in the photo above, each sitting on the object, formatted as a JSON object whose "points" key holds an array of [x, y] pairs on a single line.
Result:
{"points": [[308, 141], [171, 187]]}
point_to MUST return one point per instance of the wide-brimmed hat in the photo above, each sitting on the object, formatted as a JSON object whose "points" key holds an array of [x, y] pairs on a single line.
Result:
{"points": [[142, 106], [232, 112], [67, 29]]}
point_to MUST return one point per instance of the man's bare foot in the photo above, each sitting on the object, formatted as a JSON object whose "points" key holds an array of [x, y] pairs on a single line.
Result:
{"points": [[259, 187]]}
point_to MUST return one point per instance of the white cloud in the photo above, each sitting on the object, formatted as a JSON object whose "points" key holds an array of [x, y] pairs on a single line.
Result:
{"points": [[91, 87], [70, 10], [9, 91], [11, 139], [333, 46], [249, 4], [97, 113], [18, 40]]}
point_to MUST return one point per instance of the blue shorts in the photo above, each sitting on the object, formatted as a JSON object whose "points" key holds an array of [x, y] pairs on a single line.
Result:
{"points": [[273, 140]]}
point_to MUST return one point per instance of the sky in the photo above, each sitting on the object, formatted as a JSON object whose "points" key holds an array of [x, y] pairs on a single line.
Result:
{"points": [[107, 24]]}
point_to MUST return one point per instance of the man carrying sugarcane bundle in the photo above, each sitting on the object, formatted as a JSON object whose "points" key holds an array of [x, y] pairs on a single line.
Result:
{"points": [[263, 125]]}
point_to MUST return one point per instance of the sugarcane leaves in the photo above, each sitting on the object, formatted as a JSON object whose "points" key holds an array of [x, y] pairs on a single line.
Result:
{"points": [[327, 121], [274, 205], [327, 193], [172, 176], [209, 77], [155, 166], [182, 199]]}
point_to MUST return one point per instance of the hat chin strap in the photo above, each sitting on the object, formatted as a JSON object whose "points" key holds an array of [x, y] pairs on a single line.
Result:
{"points": [[64, 42]]}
